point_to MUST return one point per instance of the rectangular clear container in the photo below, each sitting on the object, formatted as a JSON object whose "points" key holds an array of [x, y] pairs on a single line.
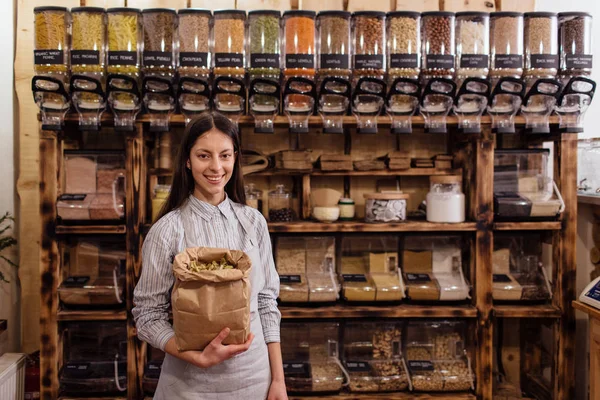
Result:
{"points": [[519, 270], [125, 35], [575, 35], [523, 187], [160, 26], [404, 45], [541, 45], [432, 268], [95, 358], [437, 45], [195, 43], [88, 42], [152, 370], [299, 44], [264, 44], [368, 45], [229, 43], [333, 30], [93, 273], [472, 45], [506, 45], [51, 41]]}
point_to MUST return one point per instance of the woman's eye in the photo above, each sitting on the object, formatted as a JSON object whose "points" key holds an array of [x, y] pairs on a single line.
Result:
{"points": [[204, 156], [226, 156]]}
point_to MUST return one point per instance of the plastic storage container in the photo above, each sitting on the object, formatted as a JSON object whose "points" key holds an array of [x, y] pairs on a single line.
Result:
{"points": [[575, 34], [432, 267], [88, 41], [310, 357], [472, 45], [195, 36], [280, 205], [437, 45], [93, 186], [152, 370], [95, 359], [264, 42], [333, 30], [369, 269], [51, 41], [436, 356], [347, 209], [124, 40], [373, 357], [404, 45], [506, 45], [229, 42], [299, 35], [445, 200], [522, 185], [385, 207], [306, 267], [519, 274], [368, 44], [93, 274], [160, 25], [541, 46]]}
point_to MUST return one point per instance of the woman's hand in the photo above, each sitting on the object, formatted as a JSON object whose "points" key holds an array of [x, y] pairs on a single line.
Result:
{"points": [[277, 391], [216, 352]]}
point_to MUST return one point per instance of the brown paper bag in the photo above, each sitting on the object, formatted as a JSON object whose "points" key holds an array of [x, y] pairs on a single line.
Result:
{"points": [[206, 302]]}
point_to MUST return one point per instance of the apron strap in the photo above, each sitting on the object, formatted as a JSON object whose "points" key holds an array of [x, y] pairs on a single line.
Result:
{"points": [[244, 222]]}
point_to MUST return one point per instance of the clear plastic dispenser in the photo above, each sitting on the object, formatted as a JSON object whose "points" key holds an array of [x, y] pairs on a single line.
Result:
{"points": [[229, 96], [436, 104], [573, 103], [89, 100], [124, 100], [299, 102], [193, 96], [53, 100], [470, 103], [334, 100], [505, 102], [159, 100], [538, 104], [263, 99], [402, 103], [367, 102]]}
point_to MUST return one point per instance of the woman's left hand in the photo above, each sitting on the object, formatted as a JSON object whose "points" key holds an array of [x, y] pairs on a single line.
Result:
{"points": [[277, 391]]}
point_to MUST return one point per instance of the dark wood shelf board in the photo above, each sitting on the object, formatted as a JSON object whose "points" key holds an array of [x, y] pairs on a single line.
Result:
{"points": [[394, 311], [406, 226], [386, 172], [396, 395], [528, 226], [90, 229], [527, 311], [92, 315]]}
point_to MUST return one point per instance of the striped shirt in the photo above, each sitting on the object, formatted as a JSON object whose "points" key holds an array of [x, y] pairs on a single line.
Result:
{"points": [[215, 226]]}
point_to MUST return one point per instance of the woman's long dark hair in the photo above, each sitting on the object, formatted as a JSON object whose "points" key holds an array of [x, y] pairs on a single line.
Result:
{"points": [[183, 181]]}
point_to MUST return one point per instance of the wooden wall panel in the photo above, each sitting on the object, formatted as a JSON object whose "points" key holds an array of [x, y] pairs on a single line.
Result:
{"points": [[249, 5], [103, 3], [423, 5], [321, 5], [515, 5], [211, 4], [467, 5], [176, 4], [370, 5]]}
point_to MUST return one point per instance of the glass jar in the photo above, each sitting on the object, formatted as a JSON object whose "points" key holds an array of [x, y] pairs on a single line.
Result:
{"points": [[347, 209], [124, 37], [161, 194], [437, 45], [541, 45], [404, 45], [264, 36], [506, 45], [251, 199], [51, 42], [158, 58], [334, 45], [368, 44], [195, 34], [88, 41], [575, 31], [299, 31], [445, 200], [280, 205], [229, 42], [254, 196], [472, 45]]}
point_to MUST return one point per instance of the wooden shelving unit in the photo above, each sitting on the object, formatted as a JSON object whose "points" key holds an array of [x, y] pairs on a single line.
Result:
{"points": [[476, 166]]}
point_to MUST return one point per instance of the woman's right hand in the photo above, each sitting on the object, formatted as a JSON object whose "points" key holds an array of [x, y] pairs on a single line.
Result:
{"points": [[216, 352]]}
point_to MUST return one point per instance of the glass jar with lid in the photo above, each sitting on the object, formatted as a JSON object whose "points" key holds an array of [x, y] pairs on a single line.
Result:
{"points": [[124, 37], [437, 45], [347, 209], [541, 46], [472, 45], [445, 200], [264, 47], [575, 31], [158, 58], [368, 44], [506, 45], [280, 205], [254, 196], [404, 45]]}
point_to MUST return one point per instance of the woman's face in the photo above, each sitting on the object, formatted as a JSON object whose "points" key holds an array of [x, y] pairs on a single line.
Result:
{"points": [[211, 161]]}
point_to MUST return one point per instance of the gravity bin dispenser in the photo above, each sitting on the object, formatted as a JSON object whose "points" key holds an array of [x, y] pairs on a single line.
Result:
{"points": [[523, 188], [89, 100], [470, 103], [505, 103], [573, 103], [124, 100], [229, 97], [436, 104], [193, 96], [53, 100], [538, 104], [402, 103], [299, 98], [334, 99], [159, 101], [263, 100]]}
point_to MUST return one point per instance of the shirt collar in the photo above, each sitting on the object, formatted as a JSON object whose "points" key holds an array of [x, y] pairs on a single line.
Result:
{"points": [[208, 211]]}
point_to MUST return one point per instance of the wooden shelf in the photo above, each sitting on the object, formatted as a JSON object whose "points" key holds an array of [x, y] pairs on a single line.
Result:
{"points": [[528, 226], [387, 396], [92, 315], [407, 226], [90, 229], [395, 311], [527, 311]]}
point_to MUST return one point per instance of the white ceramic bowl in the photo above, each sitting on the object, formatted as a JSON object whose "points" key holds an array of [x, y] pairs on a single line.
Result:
{"points": [[326, 214]]}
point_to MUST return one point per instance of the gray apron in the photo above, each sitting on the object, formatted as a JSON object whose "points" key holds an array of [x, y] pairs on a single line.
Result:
{"points": [[246, 376]]}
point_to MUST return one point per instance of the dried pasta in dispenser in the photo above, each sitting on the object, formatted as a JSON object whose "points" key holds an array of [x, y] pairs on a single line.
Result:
{"points": [[124, 38]]}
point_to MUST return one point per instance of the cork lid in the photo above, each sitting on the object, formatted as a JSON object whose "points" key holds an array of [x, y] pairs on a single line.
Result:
{"points": [[387, 196], [445, 179]]}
